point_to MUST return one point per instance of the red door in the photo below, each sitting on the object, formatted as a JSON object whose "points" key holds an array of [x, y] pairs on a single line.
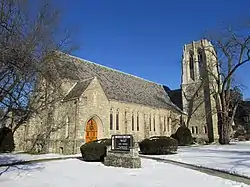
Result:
{"points": [[91, 131]]}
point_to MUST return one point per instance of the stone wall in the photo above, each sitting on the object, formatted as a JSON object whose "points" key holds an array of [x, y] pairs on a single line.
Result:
{"points": [[65, 131], [199, 89]]}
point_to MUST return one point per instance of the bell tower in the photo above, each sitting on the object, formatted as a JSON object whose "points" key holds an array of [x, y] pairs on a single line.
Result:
{"points": [[199, 69]]}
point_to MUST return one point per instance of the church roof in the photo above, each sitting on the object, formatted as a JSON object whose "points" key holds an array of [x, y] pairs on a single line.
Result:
{"points": [[176, 97], [117, 85], [77, 89]]}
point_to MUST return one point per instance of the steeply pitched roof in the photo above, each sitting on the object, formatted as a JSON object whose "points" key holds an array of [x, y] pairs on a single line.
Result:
{"points": [[116, 85], [77, 89], [175, 96]]}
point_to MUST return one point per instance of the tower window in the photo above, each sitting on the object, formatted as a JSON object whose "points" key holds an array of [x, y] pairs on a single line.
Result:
{"points": [[205, 129], [196, 129], [192, 130], [200, 60], [191, 65], [169, 123]]}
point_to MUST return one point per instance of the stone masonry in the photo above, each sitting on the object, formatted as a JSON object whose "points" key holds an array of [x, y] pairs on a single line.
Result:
{"points": [[198, 84], [91, 91]]}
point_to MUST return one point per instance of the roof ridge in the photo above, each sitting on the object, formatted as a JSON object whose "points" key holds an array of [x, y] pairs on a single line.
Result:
{"points": [[82, 80], [119, 71]]}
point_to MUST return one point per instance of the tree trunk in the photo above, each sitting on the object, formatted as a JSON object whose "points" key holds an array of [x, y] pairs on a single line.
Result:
{"points": [[224, 129]]}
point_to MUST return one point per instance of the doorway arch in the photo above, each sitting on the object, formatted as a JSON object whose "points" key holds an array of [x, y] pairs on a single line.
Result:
{"points": [[91, 133]]}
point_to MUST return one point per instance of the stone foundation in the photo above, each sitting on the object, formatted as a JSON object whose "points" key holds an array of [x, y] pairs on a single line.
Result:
{"points": [[129, 159]]}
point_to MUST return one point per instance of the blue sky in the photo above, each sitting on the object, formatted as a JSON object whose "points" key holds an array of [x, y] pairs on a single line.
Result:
{"points": [[145, 37]]}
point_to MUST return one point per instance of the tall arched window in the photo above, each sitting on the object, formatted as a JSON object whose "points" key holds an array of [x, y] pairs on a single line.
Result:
{"points": [[117, 119], [138, 122], [67, 127], [164, 127], [196, 129], [191, 64], [133, 122], [200, 60], [169, 123], [154, 122], [111, 119], [205, 129], [150, 125], [192, 130]]}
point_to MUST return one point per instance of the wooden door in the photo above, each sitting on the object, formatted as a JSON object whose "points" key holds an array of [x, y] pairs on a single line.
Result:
{"points": [[91, 131]]}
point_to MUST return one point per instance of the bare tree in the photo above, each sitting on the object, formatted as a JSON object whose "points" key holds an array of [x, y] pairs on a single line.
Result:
{"points": [[232, 46], [230, 51], [194, 101], [30, 36]]}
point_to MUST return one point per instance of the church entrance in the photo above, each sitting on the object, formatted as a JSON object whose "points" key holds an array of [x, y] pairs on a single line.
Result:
{"points": [[91, 131]]}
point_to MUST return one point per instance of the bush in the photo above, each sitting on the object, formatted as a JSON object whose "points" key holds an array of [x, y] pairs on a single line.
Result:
{"points": [[201, 140], [183, 136], [240, 131], [96, 150], [158, 145], [6, 140], [247, 137], [173, 136], [241, 138], [105, 141]]}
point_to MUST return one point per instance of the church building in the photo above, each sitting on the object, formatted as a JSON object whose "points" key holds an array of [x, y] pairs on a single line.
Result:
{"points": [[96, 102]]}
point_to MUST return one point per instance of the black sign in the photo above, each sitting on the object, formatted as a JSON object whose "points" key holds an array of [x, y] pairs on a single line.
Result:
{"points": [[122, 142]]}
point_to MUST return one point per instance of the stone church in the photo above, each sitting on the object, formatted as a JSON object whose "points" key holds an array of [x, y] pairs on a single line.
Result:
{"points": [[97, 102]]}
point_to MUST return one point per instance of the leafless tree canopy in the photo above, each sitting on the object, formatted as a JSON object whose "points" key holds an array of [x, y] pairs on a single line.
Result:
{"points": [[232, 51], [30, 34]]}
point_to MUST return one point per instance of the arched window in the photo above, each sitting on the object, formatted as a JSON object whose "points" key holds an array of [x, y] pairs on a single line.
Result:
{"points": [[192, 130], [138, 122], [67, 127], [191, 64], [169, 123], [154, 122], [111, 119], [117, 119], [196, 129], [205, 129], [164, 124], [200, 60], [133, 122], [150, 125]]}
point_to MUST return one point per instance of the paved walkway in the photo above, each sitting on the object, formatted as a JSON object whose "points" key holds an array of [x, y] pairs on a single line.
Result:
{"points": [[209, 171]]}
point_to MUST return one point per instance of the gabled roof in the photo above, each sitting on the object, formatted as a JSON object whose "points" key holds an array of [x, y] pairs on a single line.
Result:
{"points": [[77, 89], [116, 85], [175, 96]]}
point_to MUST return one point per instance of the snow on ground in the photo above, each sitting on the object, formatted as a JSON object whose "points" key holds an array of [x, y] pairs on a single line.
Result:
{"points": [[74, 172], [8, 158], [233, 158]]}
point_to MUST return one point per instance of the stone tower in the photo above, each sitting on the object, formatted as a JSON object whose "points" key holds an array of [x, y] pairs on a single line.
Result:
{"points": [[199, 67]]}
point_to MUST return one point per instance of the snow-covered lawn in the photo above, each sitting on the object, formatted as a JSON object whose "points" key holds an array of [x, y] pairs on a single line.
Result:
{"points": [[74, 172], [7, 158], [233, 158]]}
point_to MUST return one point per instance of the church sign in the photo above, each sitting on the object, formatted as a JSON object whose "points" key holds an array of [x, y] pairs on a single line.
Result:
{"points": [[121, 142]]}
